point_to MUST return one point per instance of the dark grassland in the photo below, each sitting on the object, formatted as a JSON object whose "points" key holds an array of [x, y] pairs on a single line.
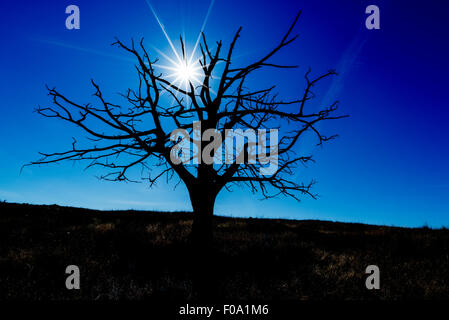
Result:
{"points": [[147, 255]]}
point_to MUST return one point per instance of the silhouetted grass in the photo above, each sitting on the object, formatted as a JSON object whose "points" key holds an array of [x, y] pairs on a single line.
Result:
{"points": [[144, 255]]}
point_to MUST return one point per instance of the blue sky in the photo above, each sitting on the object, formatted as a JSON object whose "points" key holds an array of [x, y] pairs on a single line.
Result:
{"points": [[389, 165]]}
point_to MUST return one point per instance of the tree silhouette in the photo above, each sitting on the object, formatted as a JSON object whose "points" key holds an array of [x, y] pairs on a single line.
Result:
{"points": [[139, 133]]}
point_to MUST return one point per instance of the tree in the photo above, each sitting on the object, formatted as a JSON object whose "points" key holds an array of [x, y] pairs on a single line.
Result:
{"points": [[139, 133]]}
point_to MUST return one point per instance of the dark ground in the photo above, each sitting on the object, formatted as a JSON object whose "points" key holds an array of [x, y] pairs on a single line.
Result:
{"points": [[144, 255]]}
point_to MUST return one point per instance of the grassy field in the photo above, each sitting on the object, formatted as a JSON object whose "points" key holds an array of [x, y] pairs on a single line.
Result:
{"points": [[145, 255]]}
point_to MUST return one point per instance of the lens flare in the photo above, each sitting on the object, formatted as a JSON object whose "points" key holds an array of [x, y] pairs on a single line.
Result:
{"points": [[184, 69], [186, 72]]}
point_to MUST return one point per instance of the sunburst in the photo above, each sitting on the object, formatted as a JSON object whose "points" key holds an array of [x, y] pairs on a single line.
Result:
{"points": [[183, 72], [184, 69]]}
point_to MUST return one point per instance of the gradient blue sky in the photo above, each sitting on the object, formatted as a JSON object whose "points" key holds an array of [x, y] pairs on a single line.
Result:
{"points": [[389, 166]]}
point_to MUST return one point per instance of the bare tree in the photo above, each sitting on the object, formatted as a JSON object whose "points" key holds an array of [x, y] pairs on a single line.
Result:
{"points": [[139, 133]]}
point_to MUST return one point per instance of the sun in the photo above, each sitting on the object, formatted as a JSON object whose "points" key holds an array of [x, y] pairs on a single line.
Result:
{"points": [[183, 71], [186, 72]]}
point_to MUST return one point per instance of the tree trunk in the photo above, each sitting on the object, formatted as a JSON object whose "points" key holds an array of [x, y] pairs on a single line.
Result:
{"points": [[203, 200], [204, 280]]}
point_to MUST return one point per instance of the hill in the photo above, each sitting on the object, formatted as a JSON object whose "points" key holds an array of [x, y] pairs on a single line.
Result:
{"points": [[145, 255]]}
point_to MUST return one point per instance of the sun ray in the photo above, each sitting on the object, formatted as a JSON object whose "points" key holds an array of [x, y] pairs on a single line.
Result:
{"points": [[163, 30], [202, 30], [187, 70]]}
